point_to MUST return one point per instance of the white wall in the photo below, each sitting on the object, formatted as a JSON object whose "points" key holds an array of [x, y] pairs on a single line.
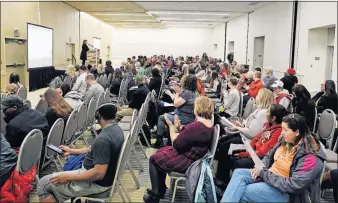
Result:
{"points": [[310, 18], [274, 21], [91, 27], [237, 32], [129, 42], [218, 37]]}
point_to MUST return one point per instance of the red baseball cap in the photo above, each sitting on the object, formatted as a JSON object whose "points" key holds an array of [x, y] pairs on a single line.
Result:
{"points": [[291, 71]]}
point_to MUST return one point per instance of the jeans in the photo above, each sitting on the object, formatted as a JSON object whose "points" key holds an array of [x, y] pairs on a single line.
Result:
{"points": [[242, 188]]}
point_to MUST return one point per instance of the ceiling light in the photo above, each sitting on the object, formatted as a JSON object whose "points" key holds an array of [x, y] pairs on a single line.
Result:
{"points": [[185, 19], [188, 13], [184, 22], [110, 20], [120, 14]]}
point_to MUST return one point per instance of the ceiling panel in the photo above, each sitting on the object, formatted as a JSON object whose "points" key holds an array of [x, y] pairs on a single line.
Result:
{"points": [[157, 14]]}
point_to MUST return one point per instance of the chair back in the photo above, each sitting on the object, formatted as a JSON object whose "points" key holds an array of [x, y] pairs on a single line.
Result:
{"points": [[104, 80], [120, 164], [326, 127], [42, 106], [27, 103], [134, 117], [107, 96], [108, 81], [56, 82], [121, 91], [30, 151], [91, 111], [54, 137], [101, 100], [214, 142], [249, 108], [315, 121], [81, 118], [240, 110], [3, 123], [100, 80], [22, 92], [324, 163], [68, 80], [70, 128]]}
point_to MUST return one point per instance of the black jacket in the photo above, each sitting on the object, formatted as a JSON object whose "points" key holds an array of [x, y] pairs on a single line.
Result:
{"points": [[138, 97], [25, 121], [289, 82], [307, 110], [52, 116], [84, 50], [109, 70], [155, 84], [115, 86], [328, 102]]}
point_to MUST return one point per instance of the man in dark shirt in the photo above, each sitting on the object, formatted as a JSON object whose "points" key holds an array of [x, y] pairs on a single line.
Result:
{"points": [[21, 120], [99, 164], [289, 79], [137, 98]]}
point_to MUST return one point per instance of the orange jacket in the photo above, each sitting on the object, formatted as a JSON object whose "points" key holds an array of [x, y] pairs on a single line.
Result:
{"points": [[255, 86], [200, 88]]}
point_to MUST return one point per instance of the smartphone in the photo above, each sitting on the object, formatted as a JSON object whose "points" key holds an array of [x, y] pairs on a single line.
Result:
{"points": [[55, 149]]}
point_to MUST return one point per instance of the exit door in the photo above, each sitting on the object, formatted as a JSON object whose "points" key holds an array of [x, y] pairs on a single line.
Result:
{"points": [[258, 52]]}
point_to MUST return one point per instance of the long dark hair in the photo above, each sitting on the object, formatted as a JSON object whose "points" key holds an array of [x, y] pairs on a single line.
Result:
{"points": [[118, 73], [189, 83], [302, 97], [214, 76], [330, 88], [14, 78], [297, 122]]}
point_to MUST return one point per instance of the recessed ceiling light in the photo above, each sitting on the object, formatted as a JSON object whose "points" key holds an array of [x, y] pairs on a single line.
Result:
{"points": [[110, 20], [188, 13], [120, 14], [185, 19]]}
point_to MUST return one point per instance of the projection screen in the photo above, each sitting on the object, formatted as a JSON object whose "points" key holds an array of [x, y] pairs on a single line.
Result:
{"points": [[40, 46]]}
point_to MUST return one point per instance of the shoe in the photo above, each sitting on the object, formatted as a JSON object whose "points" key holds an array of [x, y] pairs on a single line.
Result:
{"points": [[158, 144], [151, 198], [162, 193], [220, 183]]}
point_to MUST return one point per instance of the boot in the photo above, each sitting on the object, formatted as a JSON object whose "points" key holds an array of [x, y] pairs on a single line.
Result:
{"points": [[158, 144], [151, 197], [162, 192]]}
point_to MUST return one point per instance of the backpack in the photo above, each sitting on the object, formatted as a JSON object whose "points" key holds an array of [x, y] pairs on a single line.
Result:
{"points": [[74, 162]]}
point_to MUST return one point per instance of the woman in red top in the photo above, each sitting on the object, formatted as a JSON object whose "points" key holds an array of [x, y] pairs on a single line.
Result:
{"points": [[224, 70], [262, 143], [190, 144]]}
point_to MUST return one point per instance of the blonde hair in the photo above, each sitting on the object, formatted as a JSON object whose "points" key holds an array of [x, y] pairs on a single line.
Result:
{"points": [[99, 68], [70, 70], [12, 89], [265, 99], [204, 107]]}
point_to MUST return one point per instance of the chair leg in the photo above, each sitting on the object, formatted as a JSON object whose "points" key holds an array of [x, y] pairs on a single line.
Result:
{"points": [[143, 151], [120, 193], [58, 158], [145, 138], [137, 159], [175, 188], [133, 175], [57, 166], [125, 192]]}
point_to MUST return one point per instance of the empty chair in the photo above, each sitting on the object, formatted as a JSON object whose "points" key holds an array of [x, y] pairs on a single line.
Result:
{"points": [[54, 138], [56, 83], [68, 80], [42, 106], [326, 127], [101, 99], [240, 110], [30, 151], [249, 108], [70, 128], [92, 106], [22, 92]]}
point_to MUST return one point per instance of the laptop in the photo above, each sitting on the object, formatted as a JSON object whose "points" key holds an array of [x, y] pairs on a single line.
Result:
{"points": [[258, 162]]}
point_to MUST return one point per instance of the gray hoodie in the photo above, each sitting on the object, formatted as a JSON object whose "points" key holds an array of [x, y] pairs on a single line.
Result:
{"points": [[268, 80], [303, 184]]}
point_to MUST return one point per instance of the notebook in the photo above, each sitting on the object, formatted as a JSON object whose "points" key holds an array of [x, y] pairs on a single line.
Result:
{"points": [[258, 162]]}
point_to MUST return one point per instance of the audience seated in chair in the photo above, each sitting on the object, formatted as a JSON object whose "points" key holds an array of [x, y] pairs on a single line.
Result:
{"points": [[262, 143], [12, 89], [8, 160], [303, 105], [224, 70], [189, 144], [73, 98], [255, 85], [212, 86], [116, 82], [94, 88], [14, 78], [245, 80], [57, 107], [290, 79], [183, 102], [231, 98], [268, 79], [99, 164], [292, 169], [328, 99], [80, 85], [155, 81], [21, 120], [330, 180], [109, 68], [137, 98], [200, 87], [281, 96]]}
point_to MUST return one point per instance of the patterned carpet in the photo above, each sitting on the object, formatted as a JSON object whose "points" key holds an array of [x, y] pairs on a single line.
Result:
{"points": [[135, 194]]}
